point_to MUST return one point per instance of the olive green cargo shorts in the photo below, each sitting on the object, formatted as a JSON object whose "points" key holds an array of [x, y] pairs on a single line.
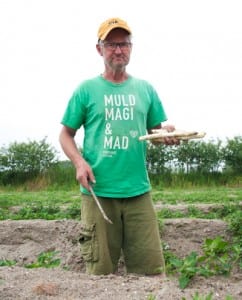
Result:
{"points": [[134, 232]]}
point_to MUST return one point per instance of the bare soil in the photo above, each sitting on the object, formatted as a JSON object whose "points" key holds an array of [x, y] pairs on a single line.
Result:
{"points": [[23, 241]]}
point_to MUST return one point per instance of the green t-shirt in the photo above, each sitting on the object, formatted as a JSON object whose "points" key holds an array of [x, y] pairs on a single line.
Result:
{"points": [[114, 115]]}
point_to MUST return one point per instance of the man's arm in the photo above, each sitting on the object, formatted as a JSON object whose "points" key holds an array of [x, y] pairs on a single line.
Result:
{"points": [[84, 172]]}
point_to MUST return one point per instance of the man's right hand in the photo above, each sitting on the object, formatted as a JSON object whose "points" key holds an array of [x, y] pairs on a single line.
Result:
{"points": [[84, 174]]}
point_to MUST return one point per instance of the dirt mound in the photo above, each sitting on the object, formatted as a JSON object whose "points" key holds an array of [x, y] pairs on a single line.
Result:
{"points": [[23, 241]]}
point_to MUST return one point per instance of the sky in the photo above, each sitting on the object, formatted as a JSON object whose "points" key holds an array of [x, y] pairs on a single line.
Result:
{"points": [[190, 51]]}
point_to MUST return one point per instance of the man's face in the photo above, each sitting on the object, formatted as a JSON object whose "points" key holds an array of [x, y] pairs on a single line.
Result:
{"points": [[116, 49]]}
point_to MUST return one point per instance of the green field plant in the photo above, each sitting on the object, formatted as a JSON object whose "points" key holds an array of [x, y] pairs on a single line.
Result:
{"points": [[218, 258], [45, 260], [197, 296], [7, 263]]}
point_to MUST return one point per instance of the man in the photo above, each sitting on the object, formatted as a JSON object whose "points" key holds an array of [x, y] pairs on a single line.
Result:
{"points": [[115, 109]]}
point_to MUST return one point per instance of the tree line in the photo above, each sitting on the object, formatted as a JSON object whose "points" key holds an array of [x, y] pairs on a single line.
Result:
{"points": [[197, 156], [196, 159]]}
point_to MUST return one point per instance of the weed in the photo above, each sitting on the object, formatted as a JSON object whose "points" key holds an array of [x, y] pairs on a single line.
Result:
{"points": [[235, 228], [45, 260], [187, 268], [7, 263], [218, 259], [217, 256], [199, 297], [207, 297]]}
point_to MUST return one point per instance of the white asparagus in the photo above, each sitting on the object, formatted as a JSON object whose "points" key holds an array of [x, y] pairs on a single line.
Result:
{"points": [[199, 135], [159, 135], [99, 205]]}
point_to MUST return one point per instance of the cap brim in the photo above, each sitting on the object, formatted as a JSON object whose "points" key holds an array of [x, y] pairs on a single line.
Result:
{"points": [[103, 37]]}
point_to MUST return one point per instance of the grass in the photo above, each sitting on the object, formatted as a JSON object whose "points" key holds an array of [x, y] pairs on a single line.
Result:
{"points": [[166, 195], [223, 195], [222, 212], [50, 205], [58, 197], [60, 204]]}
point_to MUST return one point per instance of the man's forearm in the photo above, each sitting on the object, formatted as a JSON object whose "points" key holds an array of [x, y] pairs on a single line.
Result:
{"points": [[70, 149]]}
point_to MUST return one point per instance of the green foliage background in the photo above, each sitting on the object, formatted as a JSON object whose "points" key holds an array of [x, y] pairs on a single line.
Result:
{"points": [[35, 164]]}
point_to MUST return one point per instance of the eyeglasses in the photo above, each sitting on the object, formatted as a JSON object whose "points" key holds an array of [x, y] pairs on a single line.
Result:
{"points": [[113, 46]]}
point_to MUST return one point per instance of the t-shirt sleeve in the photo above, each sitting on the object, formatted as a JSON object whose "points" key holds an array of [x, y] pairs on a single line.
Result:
{"points": [[74, 115], [156, 113]]}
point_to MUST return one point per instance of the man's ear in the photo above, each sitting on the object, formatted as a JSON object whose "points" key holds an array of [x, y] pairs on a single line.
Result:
{"points": [[99, 49]]}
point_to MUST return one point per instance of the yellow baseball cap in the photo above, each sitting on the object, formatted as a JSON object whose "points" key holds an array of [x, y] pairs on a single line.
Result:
{"points": [[109, 25]]}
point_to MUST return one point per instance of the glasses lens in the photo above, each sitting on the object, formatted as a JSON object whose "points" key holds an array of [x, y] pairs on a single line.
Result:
{"points": [[113, 46]]}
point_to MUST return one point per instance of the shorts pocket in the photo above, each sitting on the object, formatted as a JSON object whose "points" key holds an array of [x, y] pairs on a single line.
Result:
{"points": [[88, 243]]}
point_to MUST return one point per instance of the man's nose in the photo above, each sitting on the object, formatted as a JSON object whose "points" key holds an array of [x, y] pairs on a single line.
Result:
{"points": [[118, 49]]}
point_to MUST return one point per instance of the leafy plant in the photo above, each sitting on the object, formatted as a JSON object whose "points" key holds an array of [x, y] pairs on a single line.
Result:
{"points": [[207, 297], [187, 268], [7, 263], [235, 221], [45, 260], [217, 256], [218, 259], [199, 297]]}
